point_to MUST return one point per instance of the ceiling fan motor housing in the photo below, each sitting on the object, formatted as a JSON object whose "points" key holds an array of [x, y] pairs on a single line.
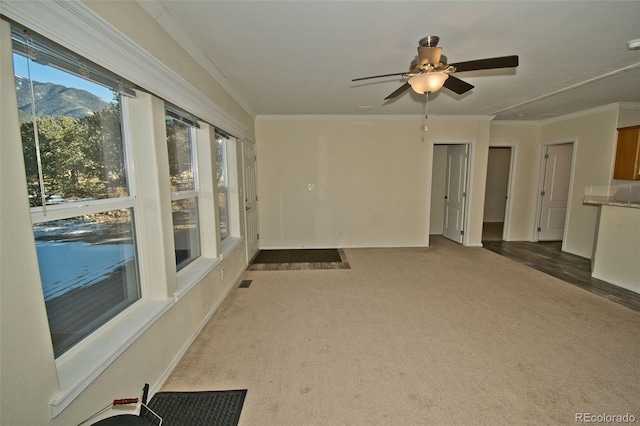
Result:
{"points": [[428, 53]]}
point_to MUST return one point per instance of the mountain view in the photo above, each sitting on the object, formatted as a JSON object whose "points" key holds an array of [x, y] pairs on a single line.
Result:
{"points": [[55, 100]]}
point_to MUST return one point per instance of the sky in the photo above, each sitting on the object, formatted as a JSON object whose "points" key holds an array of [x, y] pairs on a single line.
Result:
{"points": [[47, 74]]}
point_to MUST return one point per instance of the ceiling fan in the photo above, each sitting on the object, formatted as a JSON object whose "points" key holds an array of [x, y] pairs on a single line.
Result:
{"points": [[430, 70]]}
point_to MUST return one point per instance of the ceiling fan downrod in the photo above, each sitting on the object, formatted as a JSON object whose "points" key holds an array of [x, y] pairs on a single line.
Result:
{"points": [[429, 41]]}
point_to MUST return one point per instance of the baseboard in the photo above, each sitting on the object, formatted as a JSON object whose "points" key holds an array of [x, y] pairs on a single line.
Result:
{"points": [[613, 282], [344, 247], [163, 378]]}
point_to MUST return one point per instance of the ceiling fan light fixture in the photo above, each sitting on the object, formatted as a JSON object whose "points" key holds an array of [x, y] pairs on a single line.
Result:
{"points": [[428, 82]]}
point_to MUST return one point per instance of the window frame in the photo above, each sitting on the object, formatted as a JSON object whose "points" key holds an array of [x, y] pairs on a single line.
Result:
{"points": [[40, 214], [45, 212], [224, 188], [174, 113]]}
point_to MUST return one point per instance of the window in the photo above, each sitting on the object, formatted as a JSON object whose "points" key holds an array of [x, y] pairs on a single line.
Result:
{"points": [[184, 185], [79, 187], [222, 175]]}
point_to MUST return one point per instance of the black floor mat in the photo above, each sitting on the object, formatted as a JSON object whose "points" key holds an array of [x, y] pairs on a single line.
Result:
{"points": [[212, 408], [298, 256]]}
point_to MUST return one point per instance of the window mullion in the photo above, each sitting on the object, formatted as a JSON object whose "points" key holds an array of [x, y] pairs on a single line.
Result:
{"points": [[79, 209], [181, 195]]}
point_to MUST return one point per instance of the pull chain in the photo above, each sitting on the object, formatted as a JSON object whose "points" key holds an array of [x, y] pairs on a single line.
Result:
{"points": [[426, 112]]}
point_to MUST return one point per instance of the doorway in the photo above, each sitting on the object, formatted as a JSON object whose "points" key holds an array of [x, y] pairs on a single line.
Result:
{"points": [[449, 191], [496, 199], [555, 179]]}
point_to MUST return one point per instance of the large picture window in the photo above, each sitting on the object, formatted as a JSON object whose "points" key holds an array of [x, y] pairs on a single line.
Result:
{"points": [[184, 185], [79, 188]]}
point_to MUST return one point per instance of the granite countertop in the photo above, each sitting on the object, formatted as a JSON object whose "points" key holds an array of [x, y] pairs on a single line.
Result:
{"points": [[610, 200]]}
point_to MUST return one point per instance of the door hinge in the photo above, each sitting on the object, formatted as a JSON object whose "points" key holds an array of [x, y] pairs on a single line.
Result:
{"points": [[542, 193], [546, 156], [539, 229], [256, 198], [258, 236], [462, 232], [464, 195]]}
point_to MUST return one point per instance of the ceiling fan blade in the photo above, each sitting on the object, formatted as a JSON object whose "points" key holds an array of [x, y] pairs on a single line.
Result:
{"points": [[400, 90], [487, 64], [456, 85], [404, 74]]}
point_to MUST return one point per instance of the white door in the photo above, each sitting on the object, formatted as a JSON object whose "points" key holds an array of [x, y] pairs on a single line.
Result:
{"points": [[455, 192], [250, 199], [555, 191]]}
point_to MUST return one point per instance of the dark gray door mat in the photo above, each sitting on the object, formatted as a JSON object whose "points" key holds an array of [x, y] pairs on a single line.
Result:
{"points": [[275, 260], [210, 408]]}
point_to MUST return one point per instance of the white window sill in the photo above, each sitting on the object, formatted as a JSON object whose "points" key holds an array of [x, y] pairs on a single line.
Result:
{"points": [[228, 245], [82, 364], [193, 274]]}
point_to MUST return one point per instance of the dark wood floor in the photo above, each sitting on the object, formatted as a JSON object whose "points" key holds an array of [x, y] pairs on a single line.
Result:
{"points": [[550, 259]]}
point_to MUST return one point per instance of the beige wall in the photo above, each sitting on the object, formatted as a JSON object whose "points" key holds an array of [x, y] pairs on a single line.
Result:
{"points": [[618, 247], [356, 174], [370, 183], [372, 179], [29, 376], [27, 368], [594, 149], [629, 115], [438, 189]]}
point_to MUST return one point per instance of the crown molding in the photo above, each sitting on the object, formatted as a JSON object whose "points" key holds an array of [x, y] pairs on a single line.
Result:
{"points": [[164, 18], [73, 25], [629, 105], [515, 123], [371, 117], [586, 112]]}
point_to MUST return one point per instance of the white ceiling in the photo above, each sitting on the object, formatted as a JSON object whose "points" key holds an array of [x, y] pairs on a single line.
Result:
{"points": [[299, 57]]}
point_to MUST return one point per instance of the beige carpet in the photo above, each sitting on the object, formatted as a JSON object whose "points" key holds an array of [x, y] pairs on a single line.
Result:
{"points": [[445, 336]]}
